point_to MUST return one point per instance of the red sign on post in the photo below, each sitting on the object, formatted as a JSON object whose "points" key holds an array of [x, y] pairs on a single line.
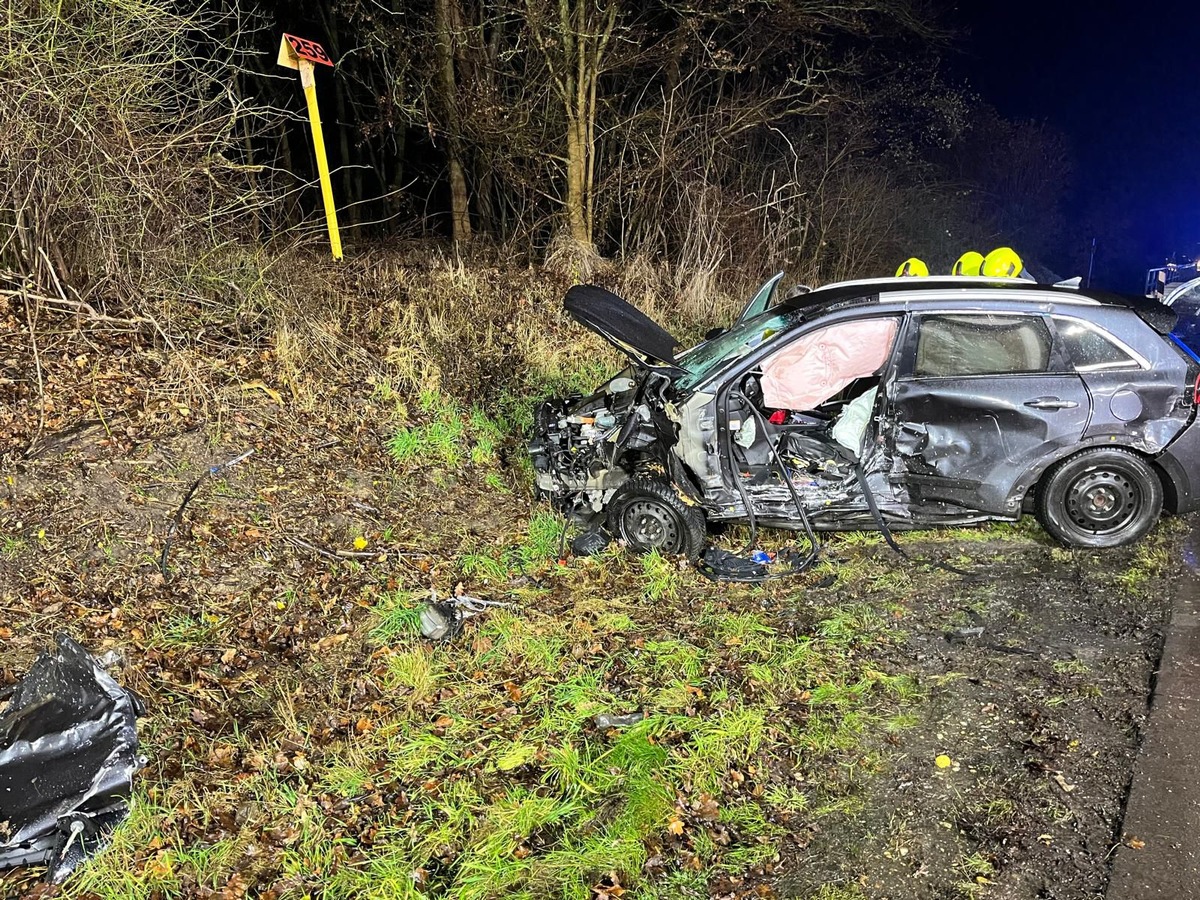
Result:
{"points": [[300, 48]]}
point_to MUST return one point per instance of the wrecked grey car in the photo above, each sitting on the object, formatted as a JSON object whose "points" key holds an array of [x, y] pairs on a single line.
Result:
{"points": [[897, 403]]}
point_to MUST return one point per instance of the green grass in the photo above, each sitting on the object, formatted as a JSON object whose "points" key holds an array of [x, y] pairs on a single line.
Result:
{"points": [[535, 549], [446, 437], [11, 546], [479, 762], [1150, 561], [514, 792], [510, 788]]}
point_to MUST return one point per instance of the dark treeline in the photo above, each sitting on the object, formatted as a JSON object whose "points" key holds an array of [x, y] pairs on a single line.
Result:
{"points": [[809, 134], [151, 144]]}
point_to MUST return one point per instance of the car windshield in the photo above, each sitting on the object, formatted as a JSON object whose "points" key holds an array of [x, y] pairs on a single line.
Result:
{"points": [[713, 355]]}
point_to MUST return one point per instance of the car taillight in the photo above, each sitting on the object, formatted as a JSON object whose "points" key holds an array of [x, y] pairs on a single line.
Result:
{"points": [[1196, 392]]}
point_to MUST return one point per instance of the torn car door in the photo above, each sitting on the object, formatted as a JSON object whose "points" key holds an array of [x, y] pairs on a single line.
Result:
{"points": [[807, 408], [761, 301], [980, 400]]}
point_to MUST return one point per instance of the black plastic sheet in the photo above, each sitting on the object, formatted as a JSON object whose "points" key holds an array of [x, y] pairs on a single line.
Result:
{"points": [[68, 754]]}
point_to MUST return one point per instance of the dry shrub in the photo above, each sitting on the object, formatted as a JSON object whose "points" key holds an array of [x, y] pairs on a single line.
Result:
{"points": [[569, 258], [116, 172], [482, 332]]}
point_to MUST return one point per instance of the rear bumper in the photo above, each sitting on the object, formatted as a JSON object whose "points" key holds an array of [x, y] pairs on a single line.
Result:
{"points": [[1181, 463]]}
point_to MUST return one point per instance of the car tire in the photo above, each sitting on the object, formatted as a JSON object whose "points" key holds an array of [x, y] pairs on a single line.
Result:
{"points": [[649, 515], [1104, 497]]}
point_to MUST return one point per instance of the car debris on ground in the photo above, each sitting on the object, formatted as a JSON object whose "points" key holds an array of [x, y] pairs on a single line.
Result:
{"points": [[442, 620], [68, 754]]}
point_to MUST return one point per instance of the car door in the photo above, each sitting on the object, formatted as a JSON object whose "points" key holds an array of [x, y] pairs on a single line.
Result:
{"points": [[979, 399], [761, 300], [794, 400]]}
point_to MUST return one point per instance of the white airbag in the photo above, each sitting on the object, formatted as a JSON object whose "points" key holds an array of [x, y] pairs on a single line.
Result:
{"points": [[813, 368]]}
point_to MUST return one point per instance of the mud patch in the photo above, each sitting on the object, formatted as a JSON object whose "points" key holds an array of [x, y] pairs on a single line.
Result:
{"points": [[1012, 782]]}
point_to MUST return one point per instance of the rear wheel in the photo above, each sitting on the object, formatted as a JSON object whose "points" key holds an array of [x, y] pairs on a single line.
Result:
{"points": [[1100, 498], [648, 514]]}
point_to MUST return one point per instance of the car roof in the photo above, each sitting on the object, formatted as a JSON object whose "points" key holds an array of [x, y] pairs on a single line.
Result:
{"points": [[963, 288]]}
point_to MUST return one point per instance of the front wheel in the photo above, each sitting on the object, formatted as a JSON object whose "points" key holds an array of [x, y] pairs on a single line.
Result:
{"points": [[649, 515], [1100, 498]]}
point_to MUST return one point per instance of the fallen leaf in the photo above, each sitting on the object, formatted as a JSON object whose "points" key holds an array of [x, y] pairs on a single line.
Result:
{"points": [[360, 543], [706, 808], [675, 826], [258, 384], [943, 761], [332, 640]]}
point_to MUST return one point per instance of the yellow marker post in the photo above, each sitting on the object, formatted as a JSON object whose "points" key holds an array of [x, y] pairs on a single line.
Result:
{"points": [[297, 53]]}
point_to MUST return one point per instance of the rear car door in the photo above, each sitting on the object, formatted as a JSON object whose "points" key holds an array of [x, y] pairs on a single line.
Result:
{"points": [[978, 400]]}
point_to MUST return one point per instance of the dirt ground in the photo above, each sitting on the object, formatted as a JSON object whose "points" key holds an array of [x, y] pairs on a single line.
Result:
{"points": [[955, 739], [1040, 716]]}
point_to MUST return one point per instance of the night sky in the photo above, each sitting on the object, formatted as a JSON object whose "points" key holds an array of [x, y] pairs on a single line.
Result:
{"points": [[1122, 81]]}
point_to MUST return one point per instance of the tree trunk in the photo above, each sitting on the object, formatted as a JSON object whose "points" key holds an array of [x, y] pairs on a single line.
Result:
{"points": [[446, 20], [577, 181]]}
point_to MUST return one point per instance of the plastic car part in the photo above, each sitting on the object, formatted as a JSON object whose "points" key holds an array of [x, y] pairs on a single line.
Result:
{"points": [[1103, 497], [618, 720], [442, 620], [68, 754], [591, 542], [649, 514]]}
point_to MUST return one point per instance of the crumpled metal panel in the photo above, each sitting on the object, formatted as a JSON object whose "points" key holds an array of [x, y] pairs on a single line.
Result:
{"points": [[68, 754]]}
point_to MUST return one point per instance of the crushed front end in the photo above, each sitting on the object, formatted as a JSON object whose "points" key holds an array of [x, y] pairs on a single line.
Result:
{"points": [[585, 448]]}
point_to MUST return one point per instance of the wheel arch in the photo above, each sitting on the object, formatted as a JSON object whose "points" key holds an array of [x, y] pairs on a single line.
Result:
{"points": [[1035, 476]]}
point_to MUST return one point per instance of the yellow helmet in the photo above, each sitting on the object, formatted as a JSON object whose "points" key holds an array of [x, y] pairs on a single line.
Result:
{"points": [[912, 266], [970, 263], [1002, 262]]}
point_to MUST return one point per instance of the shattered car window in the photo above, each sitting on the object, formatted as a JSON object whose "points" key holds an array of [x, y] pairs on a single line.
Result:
{"points": [[818, 365], [713, 355], [952, 346], [1089, 349]]}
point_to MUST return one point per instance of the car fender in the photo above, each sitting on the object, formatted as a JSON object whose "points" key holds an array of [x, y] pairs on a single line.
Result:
{"points": [[1029, 480]]}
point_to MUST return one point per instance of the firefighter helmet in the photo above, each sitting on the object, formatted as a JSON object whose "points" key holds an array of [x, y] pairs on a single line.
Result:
{"points": [[912, 267], [1002, 262], [970, 263]]}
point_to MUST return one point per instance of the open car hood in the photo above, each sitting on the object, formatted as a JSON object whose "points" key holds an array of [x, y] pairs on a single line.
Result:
{"points": [[623, 325]]}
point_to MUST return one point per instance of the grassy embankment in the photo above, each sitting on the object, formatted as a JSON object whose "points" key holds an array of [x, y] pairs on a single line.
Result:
{"points": [[304, 740]]}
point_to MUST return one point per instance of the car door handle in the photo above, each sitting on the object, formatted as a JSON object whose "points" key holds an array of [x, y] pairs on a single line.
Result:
{"points": [[1051, 403]]}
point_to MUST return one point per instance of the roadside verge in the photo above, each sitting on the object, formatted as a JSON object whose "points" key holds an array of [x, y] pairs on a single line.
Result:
{"points": [[1159, 856]]}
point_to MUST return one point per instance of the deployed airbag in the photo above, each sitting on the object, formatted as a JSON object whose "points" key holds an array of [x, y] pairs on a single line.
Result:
{"points": [[851, 425], [68, 753], [816, 366]]}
